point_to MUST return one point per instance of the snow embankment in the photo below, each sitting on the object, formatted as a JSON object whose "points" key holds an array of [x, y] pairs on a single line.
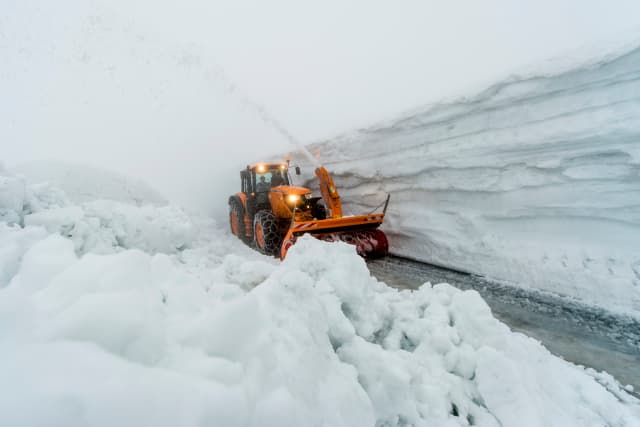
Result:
{"points": [[212, 333], [535, 180], [97, 225]]}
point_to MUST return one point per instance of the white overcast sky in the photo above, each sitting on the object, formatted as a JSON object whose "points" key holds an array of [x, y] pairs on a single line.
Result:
{"points": [[144, 87]]}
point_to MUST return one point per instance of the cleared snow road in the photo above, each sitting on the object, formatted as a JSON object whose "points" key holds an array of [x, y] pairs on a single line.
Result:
{"points": [[579, 334]]}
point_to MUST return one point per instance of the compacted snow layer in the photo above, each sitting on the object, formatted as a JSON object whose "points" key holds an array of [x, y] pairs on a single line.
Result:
{"points": [[534, 180], [212, 333]]}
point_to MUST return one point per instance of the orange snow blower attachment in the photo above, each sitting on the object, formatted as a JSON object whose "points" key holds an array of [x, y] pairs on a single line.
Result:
{"points": [[270, 213], [360, 230]]}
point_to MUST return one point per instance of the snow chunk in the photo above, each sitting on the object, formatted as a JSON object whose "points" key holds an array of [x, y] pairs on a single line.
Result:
{"points": [[45, 260], [15, 242], [437, 356], [107, 227], [12, 198]]}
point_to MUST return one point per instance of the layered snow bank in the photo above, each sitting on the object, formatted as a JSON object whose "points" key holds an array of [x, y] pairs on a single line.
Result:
{"points": [[216, 334], [536, 181]]}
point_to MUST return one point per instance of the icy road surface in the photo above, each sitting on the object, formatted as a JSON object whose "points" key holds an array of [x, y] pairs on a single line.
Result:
{"points": [[580, 334]]}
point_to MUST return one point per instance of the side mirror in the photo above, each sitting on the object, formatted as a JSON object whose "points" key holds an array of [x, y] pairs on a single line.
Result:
{"points": [[297, 170]]}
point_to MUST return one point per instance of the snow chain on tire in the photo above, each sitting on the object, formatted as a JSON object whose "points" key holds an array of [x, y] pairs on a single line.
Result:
{"points": [[267, 237]]}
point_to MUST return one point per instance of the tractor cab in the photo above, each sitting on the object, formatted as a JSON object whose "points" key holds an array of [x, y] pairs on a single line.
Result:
{"points": [[259, 180], [262, 177], [268, 187]]}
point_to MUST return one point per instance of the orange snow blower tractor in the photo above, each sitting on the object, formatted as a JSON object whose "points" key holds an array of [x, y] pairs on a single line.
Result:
{"points": [[270, 214]]}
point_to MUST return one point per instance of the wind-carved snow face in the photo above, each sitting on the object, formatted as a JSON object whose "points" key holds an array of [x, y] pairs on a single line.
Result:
{"points": [[534, 181]]}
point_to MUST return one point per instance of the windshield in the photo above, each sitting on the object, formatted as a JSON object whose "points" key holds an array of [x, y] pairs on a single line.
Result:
{"points": [[272, 178]]}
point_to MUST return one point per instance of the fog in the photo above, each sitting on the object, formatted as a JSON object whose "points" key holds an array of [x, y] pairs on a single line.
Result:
{"points": [[184, 94]]}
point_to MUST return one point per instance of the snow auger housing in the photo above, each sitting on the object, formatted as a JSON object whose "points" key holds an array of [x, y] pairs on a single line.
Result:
{"points": [[270, 213]]}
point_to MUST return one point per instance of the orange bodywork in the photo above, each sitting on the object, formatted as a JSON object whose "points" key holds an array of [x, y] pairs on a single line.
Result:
{"points": [[247, 221], [277, 198], [259, 236], [234, 224]]}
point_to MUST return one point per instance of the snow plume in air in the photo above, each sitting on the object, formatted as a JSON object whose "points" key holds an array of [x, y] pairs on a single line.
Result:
{"points": [[186, 326], [263, 113]]}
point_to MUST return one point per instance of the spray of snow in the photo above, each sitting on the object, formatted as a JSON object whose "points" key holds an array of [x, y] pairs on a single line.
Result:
{"points": [[261, 111]]}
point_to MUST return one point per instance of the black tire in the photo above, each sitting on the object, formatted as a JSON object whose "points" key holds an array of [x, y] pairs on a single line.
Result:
{"points": [[237, 213], [266, 235]]}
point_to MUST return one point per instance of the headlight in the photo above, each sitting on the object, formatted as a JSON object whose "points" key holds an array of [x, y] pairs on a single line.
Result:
{"points": [[293, 198], [261, 168]]}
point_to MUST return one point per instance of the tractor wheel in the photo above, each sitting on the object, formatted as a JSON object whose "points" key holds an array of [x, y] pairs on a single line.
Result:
{"points": [[266, 235], [236, 221]]}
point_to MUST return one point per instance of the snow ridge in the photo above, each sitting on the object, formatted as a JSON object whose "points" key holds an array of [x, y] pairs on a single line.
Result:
{"points": [[97, 225], [535, 181]]}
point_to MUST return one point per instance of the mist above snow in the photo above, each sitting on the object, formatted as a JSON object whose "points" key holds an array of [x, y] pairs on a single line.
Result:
{"points": [[155, 90]]}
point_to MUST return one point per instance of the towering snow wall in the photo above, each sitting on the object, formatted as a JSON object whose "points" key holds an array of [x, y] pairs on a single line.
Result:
{"points": [[535, 180]]}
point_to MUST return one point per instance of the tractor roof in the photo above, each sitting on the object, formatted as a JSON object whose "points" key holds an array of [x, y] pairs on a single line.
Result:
{"points": [[263, 167]]}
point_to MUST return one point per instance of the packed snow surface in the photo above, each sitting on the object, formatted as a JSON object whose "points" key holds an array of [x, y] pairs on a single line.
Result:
{"points": [[167, 320], [535, 180]]}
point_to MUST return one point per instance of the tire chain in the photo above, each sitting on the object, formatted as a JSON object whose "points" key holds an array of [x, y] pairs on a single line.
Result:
{"points": [[270, 232]]}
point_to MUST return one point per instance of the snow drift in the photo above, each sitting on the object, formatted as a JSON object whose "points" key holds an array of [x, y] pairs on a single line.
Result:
{"points": [[97, 225], [535, 180], [212, 333]]}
